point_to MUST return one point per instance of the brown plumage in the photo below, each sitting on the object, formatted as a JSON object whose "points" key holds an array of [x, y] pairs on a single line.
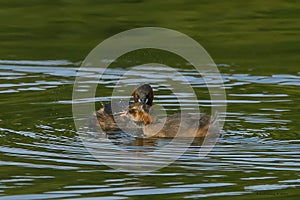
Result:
{"points": [[177, 125], [109, 114]]}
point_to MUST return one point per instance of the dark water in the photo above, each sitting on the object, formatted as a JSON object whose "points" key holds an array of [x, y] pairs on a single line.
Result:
{"points": [[255, 46]]}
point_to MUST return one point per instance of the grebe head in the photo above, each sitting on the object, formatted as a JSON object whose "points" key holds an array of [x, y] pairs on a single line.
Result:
{"points": [[143, 94]]}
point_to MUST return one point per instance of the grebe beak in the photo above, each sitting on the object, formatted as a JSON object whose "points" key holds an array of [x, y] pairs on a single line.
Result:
{"points": [[122, 114], [143, 100]]}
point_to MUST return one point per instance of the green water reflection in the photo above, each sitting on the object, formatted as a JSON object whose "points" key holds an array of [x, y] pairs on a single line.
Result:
{"points": [[263, 36]]}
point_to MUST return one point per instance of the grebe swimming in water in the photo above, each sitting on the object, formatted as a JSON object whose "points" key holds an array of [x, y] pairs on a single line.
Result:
{"points": [[106, 117], [176, 125]]}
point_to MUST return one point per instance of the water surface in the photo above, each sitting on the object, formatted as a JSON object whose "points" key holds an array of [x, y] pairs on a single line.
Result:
{"points": [[255, 46]]}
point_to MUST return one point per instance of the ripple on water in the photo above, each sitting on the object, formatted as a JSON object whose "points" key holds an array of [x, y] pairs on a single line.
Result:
{"points": [[268, 187], [235, 160]]}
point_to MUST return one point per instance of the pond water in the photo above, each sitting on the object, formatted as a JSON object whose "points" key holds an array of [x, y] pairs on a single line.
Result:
{"points": [[255, 46]]}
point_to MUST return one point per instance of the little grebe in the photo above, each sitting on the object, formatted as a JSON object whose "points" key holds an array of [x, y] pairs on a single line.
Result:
{"points": [[175, 125], [107, 117]]}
